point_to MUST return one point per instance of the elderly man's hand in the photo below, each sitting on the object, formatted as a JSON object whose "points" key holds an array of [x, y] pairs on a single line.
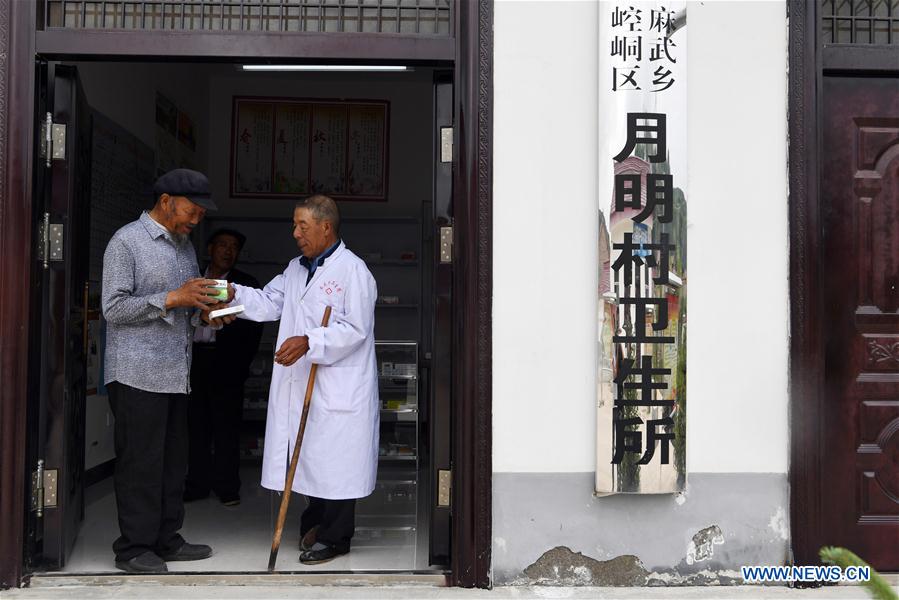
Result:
{"points": [[204, 315], [292, 350], [195, 293]]}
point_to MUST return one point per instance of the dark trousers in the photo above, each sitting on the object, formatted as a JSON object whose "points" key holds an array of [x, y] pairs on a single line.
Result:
{"points": [[151, 461], [214, 417], [336, 521]]}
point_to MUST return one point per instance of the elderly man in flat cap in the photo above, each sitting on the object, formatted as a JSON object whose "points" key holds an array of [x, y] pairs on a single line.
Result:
{"points": [[153, 298]]}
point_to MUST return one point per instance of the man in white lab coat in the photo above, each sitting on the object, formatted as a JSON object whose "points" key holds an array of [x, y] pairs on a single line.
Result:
{"points": [[339, 456]]}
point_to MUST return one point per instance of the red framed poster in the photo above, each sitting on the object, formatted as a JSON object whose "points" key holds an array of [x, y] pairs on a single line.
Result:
{"points": [[289, 147]]}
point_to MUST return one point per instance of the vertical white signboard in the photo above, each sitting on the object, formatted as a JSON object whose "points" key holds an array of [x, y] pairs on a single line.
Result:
{"points": [[641, 376]]}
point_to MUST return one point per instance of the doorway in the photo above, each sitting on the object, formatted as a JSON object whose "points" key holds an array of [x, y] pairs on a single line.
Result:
{"points": [[468, 52], [136, 120]]}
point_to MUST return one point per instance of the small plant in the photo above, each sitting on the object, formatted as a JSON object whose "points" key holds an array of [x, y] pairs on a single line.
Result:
{"points": [[877, 586]]}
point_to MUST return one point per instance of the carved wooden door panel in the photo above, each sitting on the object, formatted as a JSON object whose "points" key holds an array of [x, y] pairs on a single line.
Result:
{"points": [[860, 277]]}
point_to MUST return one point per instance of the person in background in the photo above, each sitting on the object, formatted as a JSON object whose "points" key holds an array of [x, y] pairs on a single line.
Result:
{"points": [[221, 365], [152, 300]]}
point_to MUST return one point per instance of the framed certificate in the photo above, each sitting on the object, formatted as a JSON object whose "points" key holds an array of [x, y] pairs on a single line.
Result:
{"points": [[289, 147]]}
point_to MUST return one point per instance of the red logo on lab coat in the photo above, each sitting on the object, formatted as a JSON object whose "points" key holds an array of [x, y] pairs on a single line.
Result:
{"points": [[331, 287]]}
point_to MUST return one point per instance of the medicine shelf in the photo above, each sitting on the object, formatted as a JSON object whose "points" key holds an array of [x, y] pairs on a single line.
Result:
{"points": [[406, 415]]}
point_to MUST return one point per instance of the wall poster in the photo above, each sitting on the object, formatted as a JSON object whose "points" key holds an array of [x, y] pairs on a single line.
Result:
{"points": [[176, 143], [287, 147], [642, 351]]}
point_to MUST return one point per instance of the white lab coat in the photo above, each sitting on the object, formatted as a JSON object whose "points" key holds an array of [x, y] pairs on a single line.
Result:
{"points": [[339, 455]]}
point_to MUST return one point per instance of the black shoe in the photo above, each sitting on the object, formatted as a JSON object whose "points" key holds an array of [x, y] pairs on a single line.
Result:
{"points": [[230, 499], [319, 554], [189, 552], [193, 495], [147, 562], [308, 540]]}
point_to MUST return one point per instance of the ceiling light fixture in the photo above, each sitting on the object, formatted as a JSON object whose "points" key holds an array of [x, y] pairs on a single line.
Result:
{"points": [[325, 68]]}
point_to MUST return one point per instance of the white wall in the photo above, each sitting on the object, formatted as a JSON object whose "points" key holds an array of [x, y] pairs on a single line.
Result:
{"points": [[545, 201], [410, 142], [738, 339], [126, 93], [545, 228]]}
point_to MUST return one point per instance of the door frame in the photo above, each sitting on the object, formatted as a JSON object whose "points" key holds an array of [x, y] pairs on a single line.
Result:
{"points": [[809, 61], [472, 60]]}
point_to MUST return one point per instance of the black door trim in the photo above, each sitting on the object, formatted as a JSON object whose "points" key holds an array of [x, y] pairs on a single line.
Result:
{"points": [[16, 112], [806, 349], [473, 292], [149, 44]]}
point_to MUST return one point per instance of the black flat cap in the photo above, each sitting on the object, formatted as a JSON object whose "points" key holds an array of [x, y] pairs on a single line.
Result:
{"points": [[241, 238], [193, 185]]}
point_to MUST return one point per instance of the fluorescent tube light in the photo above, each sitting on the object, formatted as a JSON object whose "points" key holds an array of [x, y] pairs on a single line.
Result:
{"points": [[325, 68]]}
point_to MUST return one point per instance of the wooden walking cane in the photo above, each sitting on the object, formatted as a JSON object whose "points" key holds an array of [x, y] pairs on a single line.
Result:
{"points": [[295, 459]]}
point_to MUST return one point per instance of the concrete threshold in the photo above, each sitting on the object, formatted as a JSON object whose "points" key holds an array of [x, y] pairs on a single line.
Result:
{"points": [[381, 585], [133, 591], [262, 579]]}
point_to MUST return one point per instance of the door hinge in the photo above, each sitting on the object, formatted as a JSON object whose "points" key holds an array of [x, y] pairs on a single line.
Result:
{"points": [[444, 487], [446, 245], [50, 237], [43, 488], [446, 144], [56, 234], [53, 140]]}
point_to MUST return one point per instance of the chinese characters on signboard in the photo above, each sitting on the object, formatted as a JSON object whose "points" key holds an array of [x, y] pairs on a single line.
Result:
{"points": [[630, 72], [641, 402], [287, 147]]}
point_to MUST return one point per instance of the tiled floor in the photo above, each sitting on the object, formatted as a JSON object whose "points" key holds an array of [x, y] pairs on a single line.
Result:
{"points": [[241, 536]]}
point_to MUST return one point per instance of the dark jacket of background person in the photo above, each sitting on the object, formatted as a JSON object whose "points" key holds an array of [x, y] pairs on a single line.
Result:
{"points": [[236, 344]]}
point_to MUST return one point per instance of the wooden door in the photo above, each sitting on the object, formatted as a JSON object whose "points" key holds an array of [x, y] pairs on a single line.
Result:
{"points": [[58, 368], [440, 382], [860, 279]]}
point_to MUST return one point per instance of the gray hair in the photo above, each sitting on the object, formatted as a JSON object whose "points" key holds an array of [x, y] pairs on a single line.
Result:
{"points": [[323, 208]]}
